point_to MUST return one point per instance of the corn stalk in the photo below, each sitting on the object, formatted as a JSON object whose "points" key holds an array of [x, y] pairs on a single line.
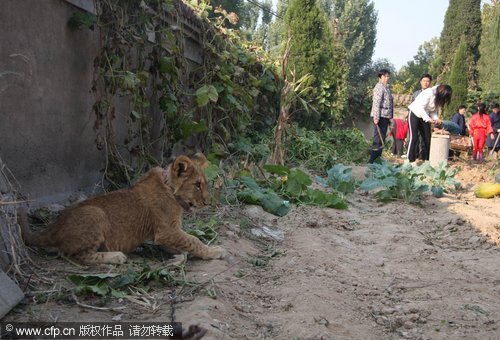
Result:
{"points": [[291, 92]]}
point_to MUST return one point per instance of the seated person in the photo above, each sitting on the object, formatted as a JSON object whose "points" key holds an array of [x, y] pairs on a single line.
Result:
{"points": [[459, 119]]}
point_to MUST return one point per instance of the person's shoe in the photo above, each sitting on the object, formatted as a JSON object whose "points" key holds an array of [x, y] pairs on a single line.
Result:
{"points": [[413, 164], [480, 158], [474, 157]]}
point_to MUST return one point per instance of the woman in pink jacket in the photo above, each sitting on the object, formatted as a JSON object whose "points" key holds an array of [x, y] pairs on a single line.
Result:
{"points": [[479, 128]]}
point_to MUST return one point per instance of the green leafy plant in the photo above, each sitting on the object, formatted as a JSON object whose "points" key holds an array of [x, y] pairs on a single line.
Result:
{"points": [[394, 182], [142, 60], [82, 19], [93, 283], [321, 150], [294, 186], [340, 179], [117, 284], [205, 94], [252, 193], [205, 231], [441, 178]]}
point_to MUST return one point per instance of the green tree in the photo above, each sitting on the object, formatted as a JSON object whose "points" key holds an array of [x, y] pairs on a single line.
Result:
{"points": [[314, 51], [261, 34], [488, 65], [276, 38], [355, 23], [458, 79], [354, 26], [409, 75], [463, 18], [327, 6]]}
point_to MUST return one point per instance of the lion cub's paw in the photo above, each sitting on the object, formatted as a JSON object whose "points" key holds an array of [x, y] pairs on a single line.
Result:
{"points": [[217, 252], [115, 257]]}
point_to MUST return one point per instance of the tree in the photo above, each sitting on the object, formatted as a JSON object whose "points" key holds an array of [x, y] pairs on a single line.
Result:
{"points": [[327, 6], [354, 26], [275, 35], [458, 79], [249, 16], [488, 65], [409, 75], [314, 51], [261, 34], [463, 18], [355, 22]]}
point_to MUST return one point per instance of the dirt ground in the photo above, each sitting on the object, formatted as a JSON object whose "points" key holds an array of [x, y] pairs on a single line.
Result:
{"points": [[374, 271]]}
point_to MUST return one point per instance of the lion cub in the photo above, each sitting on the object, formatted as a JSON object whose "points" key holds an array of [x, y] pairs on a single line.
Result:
{"points": [[103, 228]]}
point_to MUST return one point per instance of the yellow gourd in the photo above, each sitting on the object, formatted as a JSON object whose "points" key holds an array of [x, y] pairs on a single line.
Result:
{"points": [[487, 190]]}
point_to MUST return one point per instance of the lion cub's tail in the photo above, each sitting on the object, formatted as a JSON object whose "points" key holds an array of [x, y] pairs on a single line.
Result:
{"points": [[30, 238]]}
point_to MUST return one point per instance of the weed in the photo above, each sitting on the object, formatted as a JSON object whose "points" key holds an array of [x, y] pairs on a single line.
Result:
{"points": [[263, 259], [119, 284], [205, 231], [240, 274]]}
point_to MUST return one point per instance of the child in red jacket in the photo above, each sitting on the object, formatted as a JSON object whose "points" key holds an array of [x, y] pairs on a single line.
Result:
{"points": [[399, 132], [479, 128]]}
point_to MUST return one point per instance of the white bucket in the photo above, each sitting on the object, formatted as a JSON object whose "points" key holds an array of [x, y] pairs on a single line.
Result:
{"points": [[440, 148]]}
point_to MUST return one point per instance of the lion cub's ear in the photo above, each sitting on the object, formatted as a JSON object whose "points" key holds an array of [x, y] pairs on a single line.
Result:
{"points": [[200, 159], [181, 165]]}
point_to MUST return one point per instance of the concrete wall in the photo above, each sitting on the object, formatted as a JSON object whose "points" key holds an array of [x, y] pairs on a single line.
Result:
{"points": [[46, 126], [46, 118]]}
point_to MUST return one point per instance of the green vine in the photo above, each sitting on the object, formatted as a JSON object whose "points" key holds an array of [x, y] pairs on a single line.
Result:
{"points": [[143, 82]]}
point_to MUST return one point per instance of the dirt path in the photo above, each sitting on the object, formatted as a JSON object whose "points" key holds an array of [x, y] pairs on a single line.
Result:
{"points": [[374, 271]]}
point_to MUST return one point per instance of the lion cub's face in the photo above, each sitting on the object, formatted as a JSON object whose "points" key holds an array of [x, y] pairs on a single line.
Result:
{"points": [[189, 181]]}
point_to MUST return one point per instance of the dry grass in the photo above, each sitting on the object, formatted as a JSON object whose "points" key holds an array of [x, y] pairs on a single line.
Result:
{"points": [[14, 257]]}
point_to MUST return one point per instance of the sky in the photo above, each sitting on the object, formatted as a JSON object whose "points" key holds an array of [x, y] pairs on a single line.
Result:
{"points": [[404, 25]]}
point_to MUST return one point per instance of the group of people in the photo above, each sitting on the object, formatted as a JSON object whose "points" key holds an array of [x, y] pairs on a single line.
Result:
{"points": [[422, 113]]}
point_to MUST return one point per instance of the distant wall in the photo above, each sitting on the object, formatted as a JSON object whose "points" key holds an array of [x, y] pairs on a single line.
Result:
{"points": [[46, 70], [401, 100]]}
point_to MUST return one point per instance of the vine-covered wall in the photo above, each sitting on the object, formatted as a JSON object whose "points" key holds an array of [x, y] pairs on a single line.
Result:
{"points": [[147, 55]]}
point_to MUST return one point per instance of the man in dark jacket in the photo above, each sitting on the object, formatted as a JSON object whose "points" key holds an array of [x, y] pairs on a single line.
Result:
{"points": [[459, 119], [495, 124]]}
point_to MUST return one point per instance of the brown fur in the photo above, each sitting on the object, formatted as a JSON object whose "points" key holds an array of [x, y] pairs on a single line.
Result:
{"points": [[103, 228]]}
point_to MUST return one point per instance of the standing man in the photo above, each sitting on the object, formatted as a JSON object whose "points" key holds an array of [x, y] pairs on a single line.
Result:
{"points": [[381, 113], [425, 82], [495, 124]]}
